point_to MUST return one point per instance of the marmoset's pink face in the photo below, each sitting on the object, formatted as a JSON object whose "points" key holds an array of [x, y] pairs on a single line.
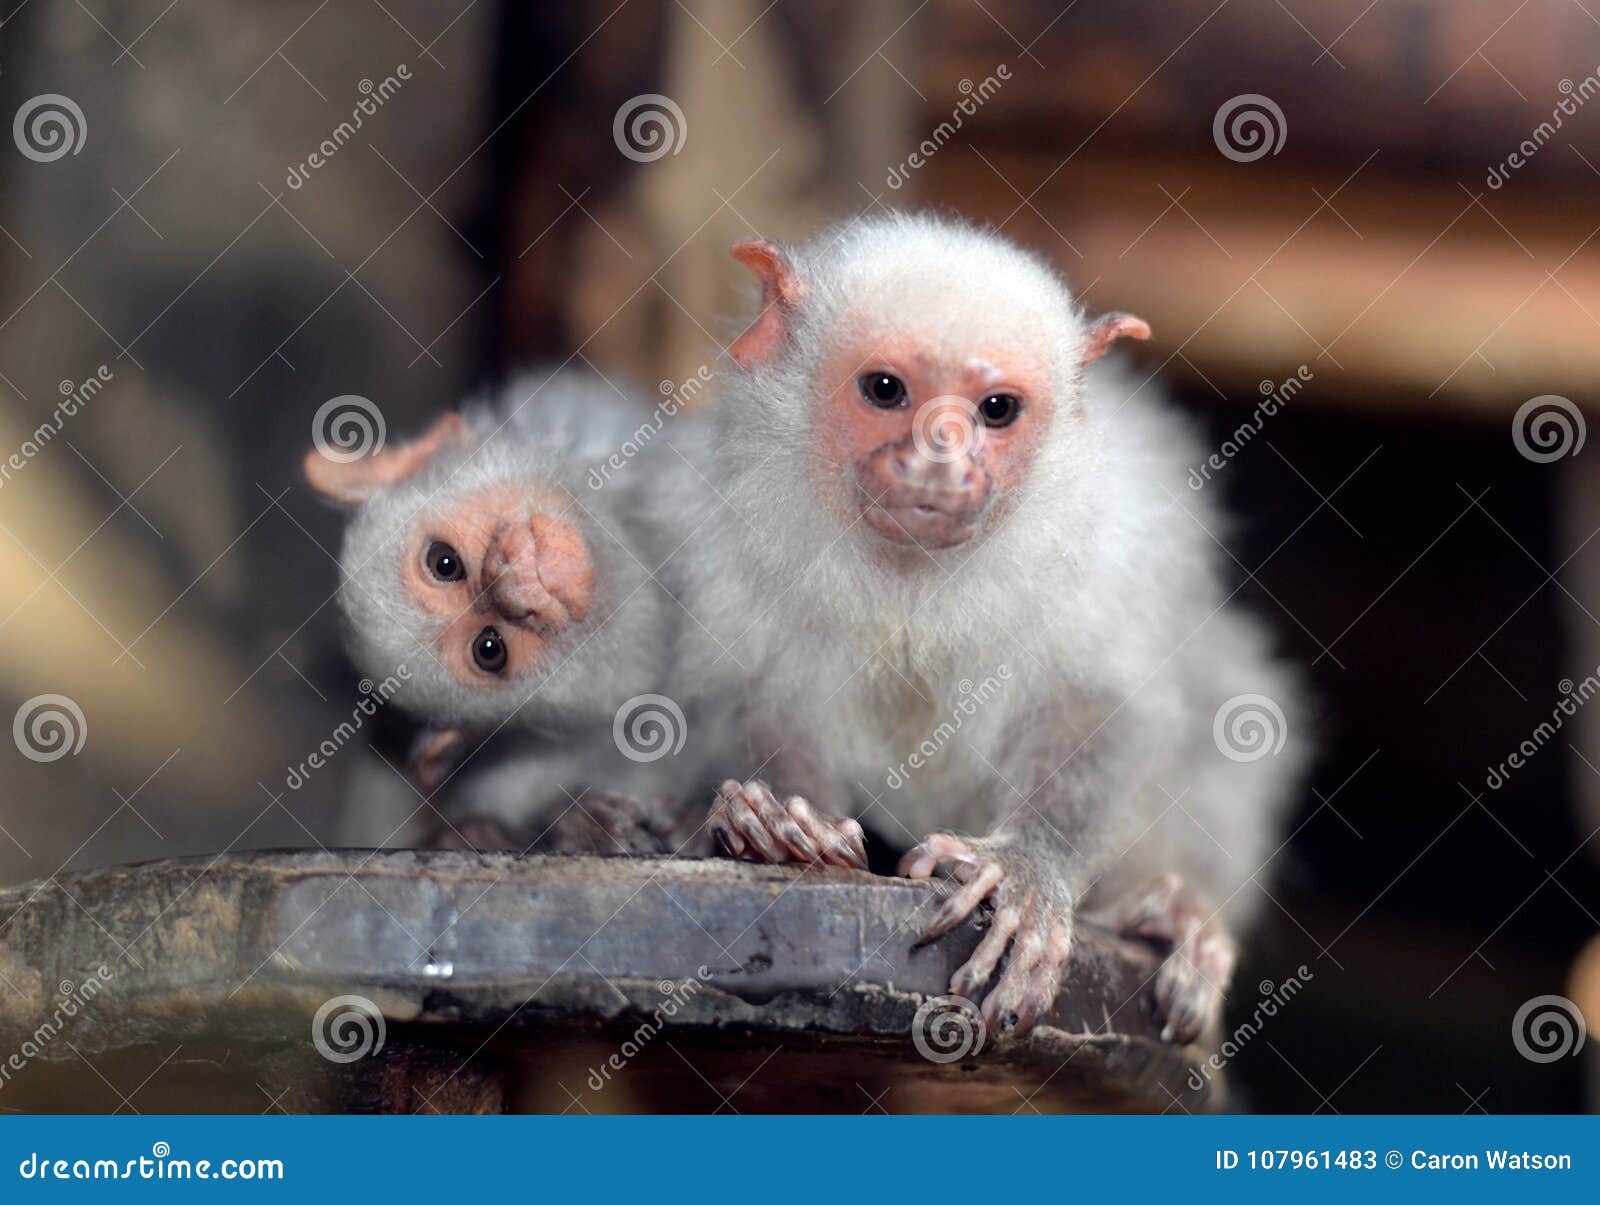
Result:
{"points": [[921, 439], [501, 577], [495, 573], [929, 440]]}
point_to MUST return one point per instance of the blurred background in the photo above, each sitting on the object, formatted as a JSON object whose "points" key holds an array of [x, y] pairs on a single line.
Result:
{"points": [[1392, 203]]}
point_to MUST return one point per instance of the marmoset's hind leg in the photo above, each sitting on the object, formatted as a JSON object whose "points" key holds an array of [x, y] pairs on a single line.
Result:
{"points": [[1200, 956]]}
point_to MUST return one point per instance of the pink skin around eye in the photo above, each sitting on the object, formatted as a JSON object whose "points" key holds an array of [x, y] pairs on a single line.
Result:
{"points": [[528, 575], [848, 428]]}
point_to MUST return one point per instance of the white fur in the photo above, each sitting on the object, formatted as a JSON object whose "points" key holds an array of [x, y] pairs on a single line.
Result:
{"points": [[1098, 592], [541, 433]]}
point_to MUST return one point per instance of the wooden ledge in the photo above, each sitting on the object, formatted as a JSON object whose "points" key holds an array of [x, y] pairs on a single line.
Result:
{"points": [[581, 983]]}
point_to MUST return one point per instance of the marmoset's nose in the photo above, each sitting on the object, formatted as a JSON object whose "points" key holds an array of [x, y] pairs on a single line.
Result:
{"points": [[536, 574], [510, 583], [902, 473]]}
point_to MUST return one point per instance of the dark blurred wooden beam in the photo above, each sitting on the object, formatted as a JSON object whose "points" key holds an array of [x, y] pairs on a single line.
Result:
{"points": [[1370, 248], [1431, 293]]}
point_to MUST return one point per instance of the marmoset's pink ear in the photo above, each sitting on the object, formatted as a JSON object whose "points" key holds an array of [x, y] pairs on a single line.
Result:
{"points": [[1107, 330], [354, 481], [434, 754], [781, 291]]}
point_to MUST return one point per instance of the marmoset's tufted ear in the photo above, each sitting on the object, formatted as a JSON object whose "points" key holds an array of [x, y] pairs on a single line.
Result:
{"points": [[1107, 330], [352, 482], [782, 290]]}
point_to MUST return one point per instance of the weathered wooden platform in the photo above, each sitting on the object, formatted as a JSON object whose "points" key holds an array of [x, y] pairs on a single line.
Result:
{"points": [[535, 983]]}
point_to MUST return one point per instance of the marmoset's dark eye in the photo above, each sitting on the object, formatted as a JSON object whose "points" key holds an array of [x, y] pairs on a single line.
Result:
{"points": [[883, 389], [444, 562], [489, 651], [999, 410]]}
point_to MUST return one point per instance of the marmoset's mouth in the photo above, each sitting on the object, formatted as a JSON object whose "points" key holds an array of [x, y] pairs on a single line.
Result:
{"points": [[921, 524]]}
